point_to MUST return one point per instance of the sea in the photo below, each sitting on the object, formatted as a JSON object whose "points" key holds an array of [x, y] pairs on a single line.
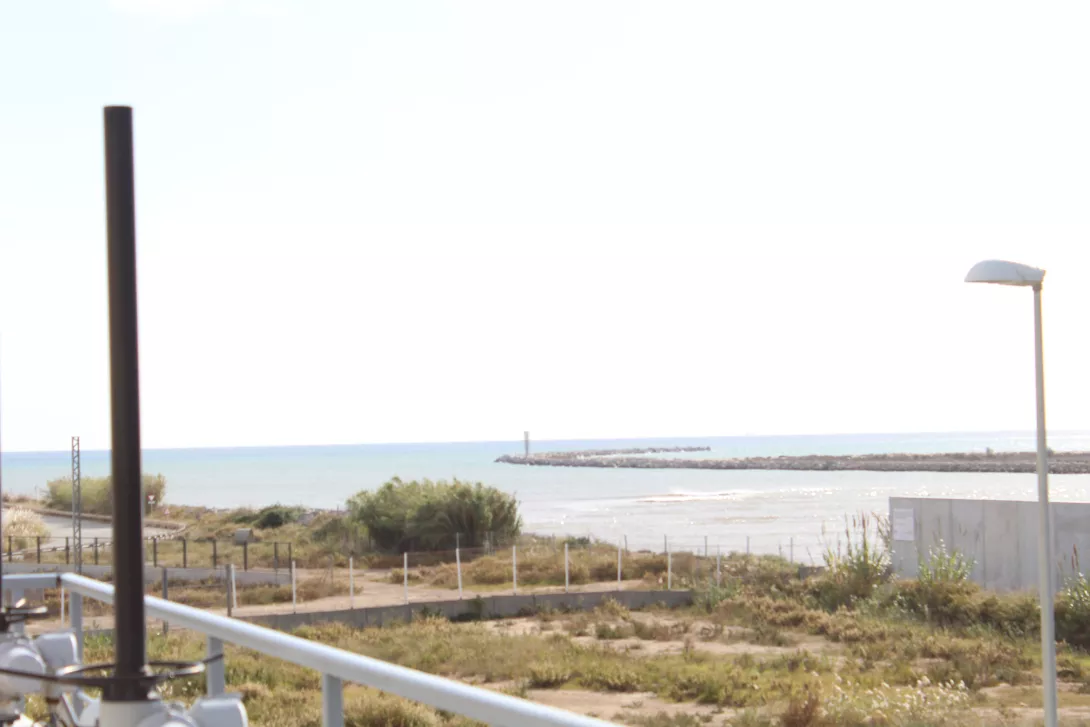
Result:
{"points": [[797, 514]]}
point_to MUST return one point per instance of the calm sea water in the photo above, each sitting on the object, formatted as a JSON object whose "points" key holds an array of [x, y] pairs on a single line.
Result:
{"points": [[770, 508]]}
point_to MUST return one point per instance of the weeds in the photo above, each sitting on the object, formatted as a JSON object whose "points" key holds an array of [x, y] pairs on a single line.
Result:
{"points": [[855, 566], [944, 566]]}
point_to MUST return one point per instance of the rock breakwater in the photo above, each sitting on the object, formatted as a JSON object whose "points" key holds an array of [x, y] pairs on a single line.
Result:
{"points": [[986, 462]]}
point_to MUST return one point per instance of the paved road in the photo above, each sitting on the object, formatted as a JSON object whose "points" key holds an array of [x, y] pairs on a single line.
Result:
{"points": [[61, 527]]}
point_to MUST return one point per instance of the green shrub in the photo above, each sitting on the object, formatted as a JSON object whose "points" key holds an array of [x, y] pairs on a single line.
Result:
{"points": [[855, 567], [944, 566], [426, 515], [96, 493], [547, 675], [1073, 612], [276, 516], [962, 604]]}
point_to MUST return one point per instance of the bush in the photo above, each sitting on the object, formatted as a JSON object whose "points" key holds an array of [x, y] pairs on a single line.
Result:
{"points": [[855, 567], [96, 493], [943, 566], [22, 526], [276, 516], [1073, 612], [961, 604], [426, 515]]}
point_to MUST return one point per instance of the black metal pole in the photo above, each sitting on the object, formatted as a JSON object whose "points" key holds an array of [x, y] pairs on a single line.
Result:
{"points": [[128, 500]]}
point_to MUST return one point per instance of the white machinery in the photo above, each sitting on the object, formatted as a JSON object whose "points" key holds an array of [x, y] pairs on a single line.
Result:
{"points": [[48, 664]]}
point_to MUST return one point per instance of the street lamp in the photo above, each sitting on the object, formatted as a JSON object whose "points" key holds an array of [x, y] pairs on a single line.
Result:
{"points": [[1001, 272]]}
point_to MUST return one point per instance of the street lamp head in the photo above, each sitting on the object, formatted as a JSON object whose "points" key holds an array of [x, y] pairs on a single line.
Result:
{"points": [[1002, 272]]}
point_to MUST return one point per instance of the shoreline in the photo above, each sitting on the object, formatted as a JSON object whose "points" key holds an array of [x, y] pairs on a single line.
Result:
{"points": [[1065, 463]]}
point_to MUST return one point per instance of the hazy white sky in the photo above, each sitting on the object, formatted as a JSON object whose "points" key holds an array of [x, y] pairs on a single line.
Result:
{"points": [[411, 221]]}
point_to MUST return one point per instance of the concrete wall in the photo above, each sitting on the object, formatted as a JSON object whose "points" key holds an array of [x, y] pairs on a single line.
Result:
{"points": [[490, 607], [154, 575], [999, 536]]}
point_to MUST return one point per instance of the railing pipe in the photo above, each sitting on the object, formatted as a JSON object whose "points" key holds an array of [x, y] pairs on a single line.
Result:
{"points": [[332, 701], [469, 701]]}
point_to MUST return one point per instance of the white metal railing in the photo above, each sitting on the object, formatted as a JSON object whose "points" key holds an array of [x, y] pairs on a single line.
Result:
{"points": [[336, 665]]}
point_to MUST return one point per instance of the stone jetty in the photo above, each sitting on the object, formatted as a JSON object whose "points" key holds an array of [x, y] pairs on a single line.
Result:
{"points": [[1066, 463]]}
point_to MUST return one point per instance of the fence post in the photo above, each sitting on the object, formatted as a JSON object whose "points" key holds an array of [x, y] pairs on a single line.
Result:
{"points": [[10, 541], [565, 567], [618, 565], [276, 557], [166, 597], [215, 555], [351, 584], [246, 556], [458, 565], [62, 606], [332, 701], [96, 550], [75, 615], [514, 572], [405, 575], [718, 566], [669, 570], [293, 586], [38, 545], [185, 553], [229, 572], [154, 551], [215, 673], [67, 552], [290, 558]]}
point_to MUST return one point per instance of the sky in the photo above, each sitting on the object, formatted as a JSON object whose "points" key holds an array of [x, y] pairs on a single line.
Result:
{"points": [[446, 221]]}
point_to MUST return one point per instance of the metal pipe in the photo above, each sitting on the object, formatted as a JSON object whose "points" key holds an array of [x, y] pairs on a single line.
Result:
{"points": [[332, 701], [215, 672], [75, 615], [166, 597], [128, 502], [1046, 577]]}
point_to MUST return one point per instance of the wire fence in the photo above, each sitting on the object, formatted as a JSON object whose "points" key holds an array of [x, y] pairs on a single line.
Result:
{"points": [[158, 552]]}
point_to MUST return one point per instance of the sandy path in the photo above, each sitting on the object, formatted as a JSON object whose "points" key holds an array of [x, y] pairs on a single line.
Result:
{"points": [[371, 590]]}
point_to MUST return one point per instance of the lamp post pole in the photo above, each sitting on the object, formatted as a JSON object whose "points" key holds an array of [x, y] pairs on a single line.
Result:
{"points": [[1046, 577], [1002, 272]]}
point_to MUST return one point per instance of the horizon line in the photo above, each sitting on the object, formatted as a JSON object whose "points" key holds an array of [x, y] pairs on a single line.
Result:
{"points": [[1026, 432]]}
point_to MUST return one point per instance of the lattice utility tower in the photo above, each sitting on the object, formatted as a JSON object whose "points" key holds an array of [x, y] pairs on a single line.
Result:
{"points": [[77, 519]]}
